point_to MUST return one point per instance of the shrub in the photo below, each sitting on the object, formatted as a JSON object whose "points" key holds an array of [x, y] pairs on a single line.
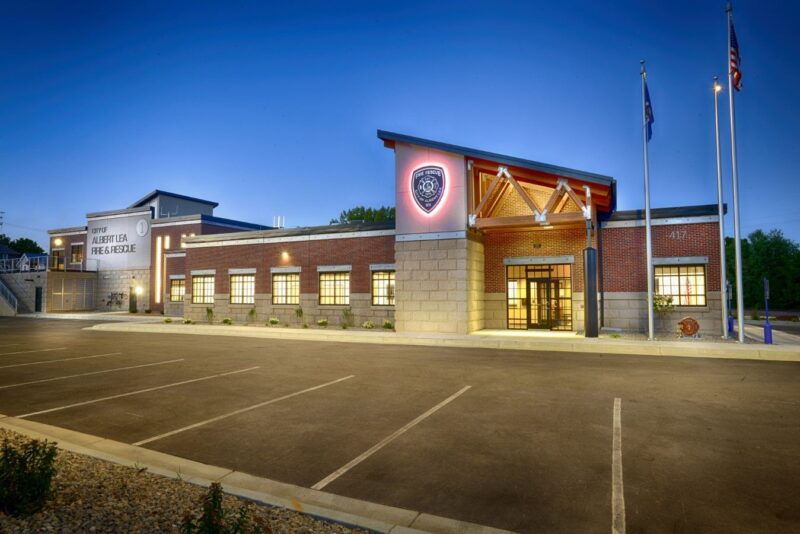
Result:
{"points": [[387, 324], [273, 321], [252, 315], [754, 315], [148, 310], [216, 520], [25, 476], [305, 325], [188, 321], [298, 312], [347, 318], [323, 323], [168, 320], [227, 320], [369, 325], [210, 315]]}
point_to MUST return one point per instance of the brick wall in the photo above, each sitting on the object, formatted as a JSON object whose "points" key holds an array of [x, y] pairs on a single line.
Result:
{"points": [[66, 245], [623, 254], [174, 233], [308, 255]]}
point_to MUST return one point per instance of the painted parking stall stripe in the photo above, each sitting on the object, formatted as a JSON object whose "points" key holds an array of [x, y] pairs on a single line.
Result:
{"points": [[617, 489], [385, 441], [241, 410], [90, 373], [60, 360], [121, 395], [31, 351]]}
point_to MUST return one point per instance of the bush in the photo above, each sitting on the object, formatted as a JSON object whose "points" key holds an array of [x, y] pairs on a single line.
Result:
{"points": [[227, 320], [305, 325], [754, 315], [168, 320], [148, 310], [387, 324], [216, 520], [252, 315], [298, 312], [347, 318], [188, 321], [369, 325], [323, 323], [210, 315], [273, 321], [25, 476]]}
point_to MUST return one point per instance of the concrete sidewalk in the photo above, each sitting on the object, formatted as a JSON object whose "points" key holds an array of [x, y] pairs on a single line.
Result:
{"points": [[121, 316], [488, 339]]}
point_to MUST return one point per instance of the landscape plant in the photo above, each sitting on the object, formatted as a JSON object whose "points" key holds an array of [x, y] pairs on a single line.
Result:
{"points": [[347, 318], [26, 473], [298, 312], [210, 315], [369, 325], [168, 320], [188, 321], [215, 519], [273, 321], [227, 320], [662, 305], [322, 323], [252, 315], [387, 324]]}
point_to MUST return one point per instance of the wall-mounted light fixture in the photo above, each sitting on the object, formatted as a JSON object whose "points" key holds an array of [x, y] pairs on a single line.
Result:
{"points": [[139, 290], [58, 241], [284, 255]]}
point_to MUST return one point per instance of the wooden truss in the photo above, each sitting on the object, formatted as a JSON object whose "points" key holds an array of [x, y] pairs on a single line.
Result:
{"points": [[551, 213]]}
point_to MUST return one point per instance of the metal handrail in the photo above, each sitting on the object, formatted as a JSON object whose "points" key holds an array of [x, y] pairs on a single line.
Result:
{"points": [[8, 296]]}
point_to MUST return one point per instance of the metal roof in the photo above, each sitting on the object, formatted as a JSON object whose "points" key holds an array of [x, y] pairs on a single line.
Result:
{"points": [[124, 211], [668, 213], [391, 137], [210, 219], [361, 226], [149, 196]]}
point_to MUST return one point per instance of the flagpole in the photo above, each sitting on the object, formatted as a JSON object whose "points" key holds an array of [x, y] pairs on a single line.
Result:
{"points": [[647, 233], [737, 238], [723, 278]]}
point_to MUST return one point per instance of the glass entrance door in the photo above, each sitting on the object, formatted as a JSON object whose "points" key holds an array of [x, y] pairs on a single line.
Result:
{"points": [[539, 296], [539, 302]]}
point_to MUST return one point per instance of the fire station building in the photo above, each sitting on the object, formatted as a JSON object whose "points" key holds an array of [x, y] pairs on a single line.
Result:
{"points": [[480, 241]]}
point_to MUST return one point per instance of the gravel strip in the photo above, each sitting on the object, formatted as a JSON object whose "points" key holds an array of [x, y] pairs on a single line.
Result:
{"points": [[91, 495]]}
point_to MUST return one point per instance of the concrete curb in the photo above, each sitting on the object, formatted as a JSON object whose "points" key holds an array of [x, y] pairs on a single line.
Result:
{"points": [[326, 506], [688, 349]]}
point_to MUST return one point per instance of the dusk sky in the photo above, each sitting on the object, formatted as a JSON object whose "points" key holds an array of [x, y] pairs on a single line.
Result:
{"points": [[273, 109]]}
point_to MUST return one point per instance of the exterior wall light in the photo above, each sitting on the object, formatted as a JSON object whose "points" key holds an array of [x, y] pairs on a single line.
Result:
{"points": [[139, 290], [58, 241], [284, 255]]}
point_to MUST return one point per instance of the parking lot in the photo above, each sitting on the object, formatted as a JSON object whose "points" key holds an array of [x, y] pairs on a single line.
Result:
{"points": [[530, 442]]}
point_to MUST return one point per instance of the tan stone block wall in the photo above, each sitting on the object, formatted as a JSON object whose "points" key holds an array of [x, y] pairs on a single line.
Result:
{"points": [[360, 305], [434, 285], [628, 311]]}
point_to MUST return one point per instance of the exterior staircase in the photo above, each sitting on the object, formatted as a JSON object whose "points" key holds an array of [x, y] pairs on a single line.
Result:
{"points": [[9, 304]]}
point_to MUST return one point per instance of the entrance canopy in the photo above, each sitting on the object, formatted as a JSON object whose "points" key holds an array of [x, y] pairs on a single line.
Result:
{"points": [[506, 192]]}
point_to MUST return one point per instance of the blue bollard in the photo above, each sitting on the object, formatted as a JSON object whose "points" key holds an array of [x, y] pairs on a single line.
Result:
{"points": [[730, 324], [768, 333]]}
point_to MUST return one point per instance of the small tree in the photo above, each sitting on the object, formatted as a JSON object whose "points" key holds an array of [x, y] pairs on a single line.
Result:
{"points": [[662, 305]]}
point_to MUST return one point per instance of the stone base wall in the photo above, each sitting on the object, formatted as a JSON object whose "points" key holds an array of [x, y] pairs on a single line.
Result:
{"points": [[24, 285], [121, 282], [173, 309], [476, 308], [628, 311], [432, 286], [360, 305], [495, 310]]}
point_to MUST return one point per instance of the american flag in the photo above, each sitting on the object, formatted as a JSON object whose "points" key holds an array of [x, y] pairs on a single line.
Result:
{"points": [[649, 118], [736, 60]]}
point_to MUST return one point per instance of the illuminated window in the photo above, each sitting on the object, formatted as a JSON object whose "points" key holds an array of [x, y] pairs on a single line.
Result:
{"points": [[203, 289], [286, 288], [243, 288], [334, 288], [686, 284], [177, 288], [76, 253], [383, 288]]}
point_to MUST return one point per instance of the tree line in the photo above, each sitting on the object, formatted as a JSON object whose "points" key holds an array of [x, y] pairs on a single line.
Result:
{"points": [[23, 245], [771, 255]]}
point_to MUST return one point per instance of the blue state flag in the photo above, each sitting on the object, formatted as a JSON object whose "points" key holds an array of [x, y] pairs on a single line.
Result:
{"points": [[649, 118]]}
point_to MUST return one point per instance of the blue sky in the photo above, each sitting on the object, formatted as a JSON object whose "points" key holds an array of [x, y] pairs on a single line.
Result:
{"points": [[273, 109]]}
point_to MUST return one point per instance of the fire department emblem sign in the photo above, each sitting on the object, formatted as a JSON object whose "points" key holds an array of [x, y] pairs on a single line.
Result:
{"points": [[427, 187]]}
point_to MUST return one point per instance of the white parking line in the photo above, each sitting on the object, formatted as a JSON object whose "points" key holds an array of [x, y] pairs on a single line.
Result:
{"points": [[617, 490], [385, 441], [31, 351], [89, 374], [241, 410], [60, 360], [156, 388]]}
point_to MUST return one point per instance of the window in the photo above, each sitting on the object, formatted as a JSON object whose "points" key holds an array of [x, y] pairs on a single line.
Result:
{"points": [[334, 288], [76, 253], [243, 288], [203, 289], [383, 288], [177, 288], [686, 284], [286, 288]]}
